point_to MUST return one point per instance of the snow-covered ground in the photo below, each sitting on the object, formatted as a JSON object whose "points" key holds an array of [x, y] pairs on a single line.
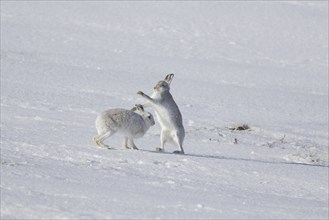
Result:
{"points": [[260, 63]]}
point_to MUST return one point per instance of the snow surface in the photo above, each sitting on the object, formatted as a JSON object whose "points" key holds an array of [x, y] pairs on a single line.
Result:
{"points": [[260, 63]]}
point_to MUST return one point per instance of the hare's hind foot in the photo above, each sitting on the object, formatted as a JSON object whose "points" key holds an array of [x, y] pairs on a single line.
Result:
{"points": [[98, 139], [178, 152], [159, 149], [101, 145], [99, 142]]}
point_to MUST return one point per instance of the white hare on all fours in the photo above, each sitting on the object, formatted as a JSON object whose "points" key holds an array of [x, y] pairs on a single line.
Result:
{"points": [[168, 114], [130, 123]]}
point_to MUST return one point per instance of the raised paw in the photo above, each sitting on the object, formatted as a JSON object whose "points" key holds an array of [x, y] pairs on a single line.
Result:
{"points": [[140, 93]]}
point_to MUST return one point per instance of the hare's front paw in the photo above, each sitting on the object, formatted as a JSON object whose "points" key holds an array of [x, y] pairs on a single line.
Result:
{"points": [[140, 93]]}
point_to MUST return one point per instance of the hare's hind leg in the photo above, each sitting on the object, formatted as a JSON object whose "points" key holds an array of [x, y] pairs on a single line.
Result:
{"points": [[98, 139], [178, 138], [163, 140]]}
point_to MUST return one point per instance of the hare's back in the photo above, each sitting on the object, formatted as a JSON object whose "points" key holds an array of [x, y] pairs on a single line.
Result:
{"points": [[113, 118]]}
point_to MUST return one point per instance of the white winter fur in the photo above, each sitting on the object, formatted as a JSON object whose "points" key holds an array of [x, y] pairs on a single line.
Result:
{"points": [[168, 114], [130, 123]]}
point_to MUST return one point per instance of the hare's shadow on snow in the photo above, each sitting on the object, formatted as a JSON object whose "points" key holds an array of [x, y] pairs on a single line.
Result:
{"points": [[234, 159]]}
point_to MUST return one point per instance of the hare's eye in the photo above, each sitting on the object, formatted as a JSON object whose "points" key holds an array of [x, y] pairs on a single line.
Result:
{"points": [[149, 117]]}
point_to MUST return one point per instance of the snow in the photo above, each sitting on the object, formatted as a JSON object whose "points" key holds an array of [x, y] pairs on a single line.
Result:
{"points": [[264, 64]]}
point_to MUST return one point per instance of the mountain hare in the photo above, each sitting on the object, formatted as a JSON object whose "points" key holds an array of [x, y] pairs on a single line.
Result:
{"points": [[168, 114], [130, 123]]}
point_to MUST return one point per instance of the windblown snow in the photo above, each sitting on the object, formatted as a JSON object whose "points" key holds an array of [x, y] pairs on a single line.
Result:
{"points": [[259, 63]]}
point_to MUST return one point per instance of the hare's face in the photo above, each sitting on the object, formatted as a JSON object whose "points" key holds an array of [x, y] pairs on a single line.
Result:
{"points": [[161, 86], [149, 118]]}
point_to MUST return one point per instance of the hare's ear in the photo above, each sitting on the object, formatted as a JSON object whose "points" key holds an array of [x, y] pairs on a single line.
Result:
{"points": [[169, 77], [133, 109], [139, 107]]}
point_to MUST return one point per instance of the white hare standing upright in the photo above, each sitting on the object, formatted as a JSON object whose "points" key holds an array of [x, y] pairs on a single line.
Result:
{"points": [[168, 114]]}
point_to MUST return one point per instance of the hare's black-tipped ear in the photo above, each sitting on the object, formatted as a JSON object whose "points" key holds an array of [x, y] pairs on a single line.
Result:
{"points": [[169, 77], [133, 109], [139, 107]]}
